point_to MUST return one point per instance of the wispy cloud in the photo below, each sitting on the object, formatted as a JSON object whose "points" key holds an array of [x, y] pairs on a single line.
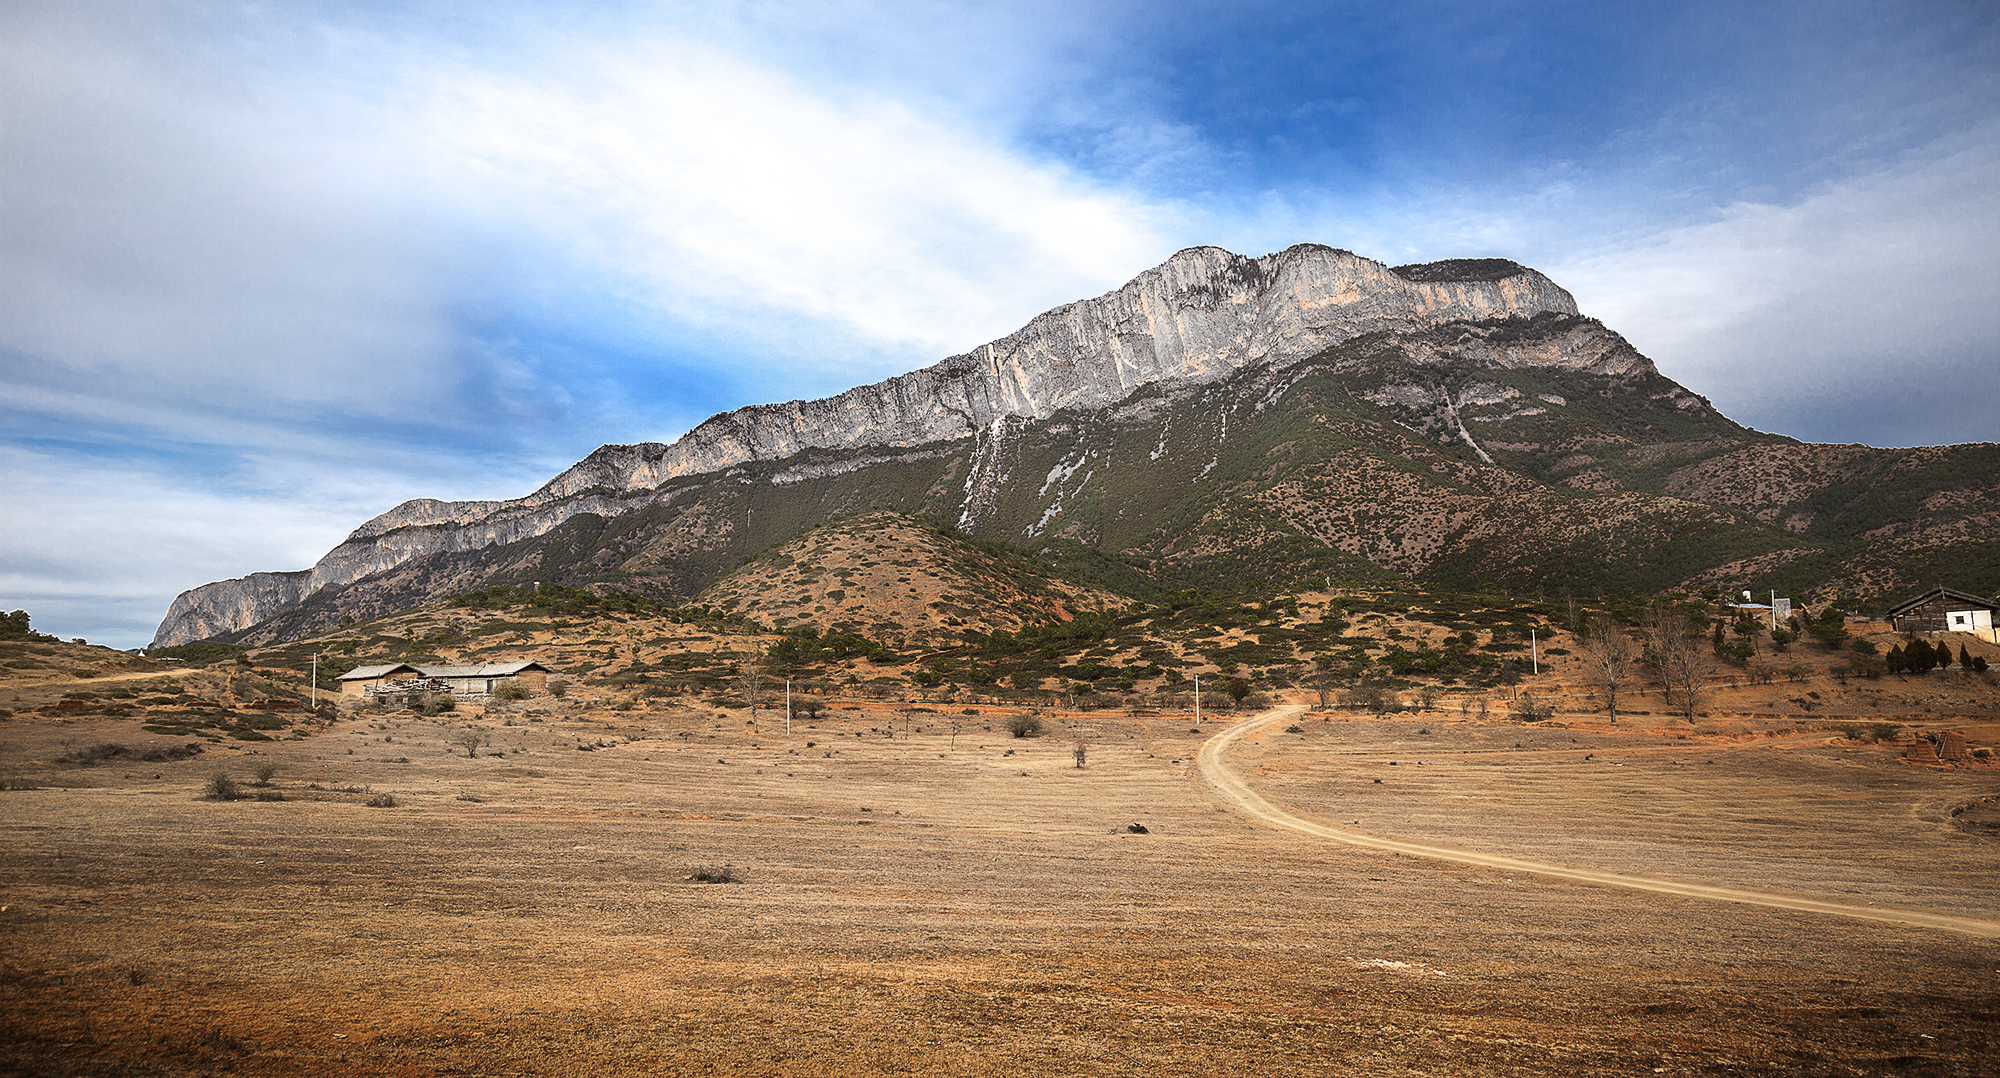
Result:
{"points": [[715, 193], [96, 548], [1791, 315]]}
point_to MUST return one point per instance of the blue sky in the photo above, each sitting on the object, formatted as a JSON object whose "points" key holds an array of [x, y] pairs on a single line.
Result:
{"points": [[268, 269]]}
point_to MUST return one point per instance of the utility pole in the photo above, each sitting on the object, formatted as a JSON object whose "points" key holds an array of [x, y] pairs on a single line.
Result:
{"points": [[1197, 699], [788, 707], [315, 693], [1534, 650]]}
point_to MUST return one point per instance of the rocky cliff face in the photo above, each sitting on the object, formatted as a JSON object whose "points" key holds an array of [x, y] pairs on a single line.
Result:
{"points": [[228, 605], [1203, 315]]}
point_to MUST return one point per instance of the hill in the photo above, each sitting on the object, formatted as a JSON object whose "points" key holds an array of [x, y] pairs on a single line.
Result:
{"points": [[895, 578]]}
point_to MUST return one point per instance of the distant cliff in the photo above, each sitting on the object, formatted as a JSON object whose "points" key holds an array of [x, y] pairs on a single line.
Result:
{"points": [[1201, 316]]}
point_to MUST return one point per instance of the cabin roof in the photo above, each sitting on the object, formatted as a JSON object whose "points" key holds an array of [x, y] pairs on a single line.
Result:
{"points": [[1952, 596]]}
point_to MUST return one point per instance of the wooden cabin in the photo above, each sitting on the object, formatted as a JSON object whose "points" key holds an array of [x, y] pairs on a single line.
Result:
{"points": [[1946, 610]]}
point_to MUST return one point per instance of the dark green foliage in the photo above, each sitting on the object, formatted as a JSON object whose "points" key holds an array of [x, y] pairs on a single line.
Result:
{"points": [[202, 653], [1460, 269], [805, 646], [14, 626], [97, 754]]}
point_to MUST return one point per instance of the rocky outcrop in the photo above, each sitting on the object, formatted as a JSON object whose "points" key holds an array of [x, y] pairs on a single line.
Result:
{"points": [[228, 605], [1204, 314]]}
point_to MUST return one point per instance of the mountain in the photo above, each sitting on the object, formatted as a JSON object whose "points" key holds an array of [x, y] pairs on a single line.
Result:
{"points": [[1219, 420]]}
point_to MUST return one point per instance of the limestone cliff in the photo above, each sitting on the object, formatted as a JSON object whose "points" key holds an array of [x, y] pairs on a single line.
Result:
{"points": [[1201, 316]]}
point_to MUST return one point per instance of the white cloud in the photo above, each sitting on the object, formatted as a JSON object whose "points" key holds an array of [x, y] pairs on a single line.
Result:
{"points": [[725, 195], [98, 549], [188, 244], [1799, 312]]}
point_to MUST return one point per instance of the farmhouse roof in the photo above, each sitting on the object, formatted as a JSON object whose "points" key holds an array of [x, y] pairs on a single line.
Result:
{"points": [[1953, 594], [365, 673], [485, 670]]}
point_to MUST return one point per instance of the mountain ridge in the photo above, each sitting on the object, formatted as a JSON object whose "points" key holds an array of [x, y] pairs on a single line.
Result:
{"points": [[1333, 417], [1082, 353]]}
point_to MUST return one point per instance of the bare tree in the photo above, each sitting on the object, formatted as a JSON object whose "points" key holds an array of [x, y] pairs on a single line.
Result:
{"points": [[1679, 653], [751, 674], [469, 738], [1607, 660], [1079, 748]]}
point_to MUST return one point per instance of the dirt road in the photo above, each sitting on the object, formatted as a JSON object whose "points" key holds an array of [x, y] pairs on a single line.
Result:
{"points": [[1237, 790]]}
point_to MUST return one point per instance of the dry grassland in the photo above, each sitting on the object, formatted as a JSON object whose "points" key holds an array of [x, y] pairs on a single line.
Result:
{"points": [[917, 904]]}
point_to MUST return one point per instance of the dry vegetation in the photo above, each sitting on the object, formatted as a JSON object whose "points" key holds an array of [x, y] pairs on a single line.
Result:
{"points": [[897, 886], [890, 577]]}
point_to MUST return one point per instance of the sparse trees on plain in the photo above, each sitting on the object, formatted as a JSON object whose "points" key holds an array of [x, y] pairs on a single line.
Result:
{"points": [[750, 679], [1678, 654], [1607, 660]]}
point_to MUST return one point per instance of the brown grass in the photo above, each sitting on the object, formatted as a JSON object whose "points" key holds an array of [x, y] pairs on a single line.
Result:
{"points": [[907, 907]]}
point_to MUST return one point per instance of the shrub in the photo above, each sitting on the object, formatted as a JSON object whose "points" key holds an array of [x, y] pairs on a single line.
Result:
{"points": [[713, 874], [470, 738], [1024, 726], [510, 689], [264, 773], [270, 795], [95, 754], [558, 689], [223, 788], [382, 801], [1527, 709]]}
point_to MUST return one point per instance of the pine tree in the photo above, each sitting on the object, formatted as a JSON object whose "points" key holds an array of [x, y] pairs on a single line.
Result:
{"points": [[1943, 653], [1921, 661], [1964, 658]]}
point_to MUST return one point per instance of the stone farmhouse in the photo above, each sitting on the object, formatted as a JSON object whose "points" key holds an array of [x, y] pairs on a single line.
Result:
{"points": [[457, 680]]}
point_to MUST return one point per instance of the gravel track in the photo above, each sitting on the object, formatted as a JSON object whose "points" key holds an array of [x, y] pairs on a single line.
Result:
{"points": [[1236, 789]]}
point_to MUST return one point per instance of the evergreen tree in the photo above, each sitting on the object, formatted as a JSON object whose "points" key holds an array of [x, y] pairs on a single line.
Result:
{"points": [[1943, 653], [1921, 661], [1896, 661], [1964, 658]]}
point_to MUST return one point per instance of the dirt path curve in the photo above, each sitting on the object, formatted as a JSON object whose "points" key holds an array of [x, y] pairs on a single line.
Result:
{"points": [[1233, 787]]}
